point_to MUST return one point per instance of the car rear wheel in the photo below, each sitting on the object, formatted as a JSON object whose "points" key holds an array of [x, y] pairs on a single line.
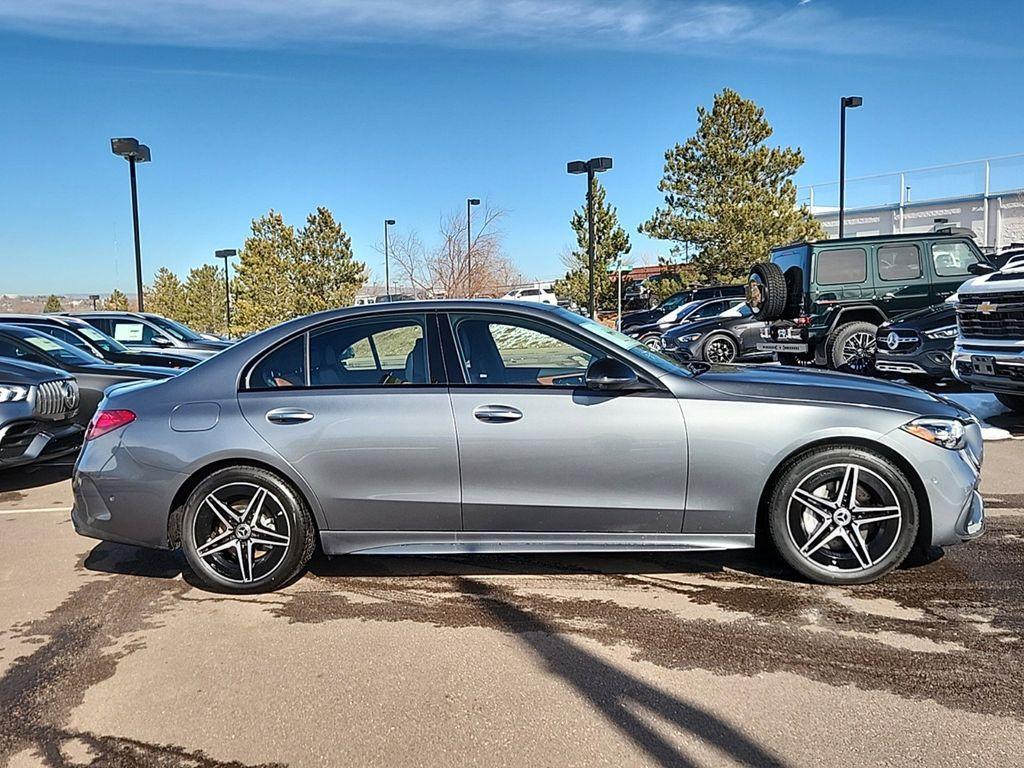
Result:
{"points": [[1014, 402], [652, 341], [852, 348], [720, 349], [843, 515], [246, 530]]}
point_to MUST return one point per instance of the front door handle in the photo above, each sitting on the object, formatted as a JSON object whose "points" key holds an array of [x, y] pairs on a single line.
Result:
{"points": [[288, 416], [494, 414]]}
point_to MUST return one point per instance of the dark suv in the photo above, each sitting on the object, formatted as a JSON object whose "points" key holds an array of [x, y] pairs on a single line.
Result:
{"points": [[826, 299], [38, 406]]}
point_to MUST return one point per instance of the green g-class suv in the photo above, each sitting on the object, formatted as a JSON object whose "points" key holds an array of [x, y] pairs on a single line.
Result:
{"points": [[824, 300]]}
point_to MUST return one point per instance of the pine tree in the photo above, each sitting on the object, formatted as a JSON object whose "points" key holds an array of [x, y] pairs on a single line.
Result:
{"points": [[204, 300], [326, 276], [116, 301], [283, 273], [167, 296], [53, 304], [610, 242], [728, 194]]}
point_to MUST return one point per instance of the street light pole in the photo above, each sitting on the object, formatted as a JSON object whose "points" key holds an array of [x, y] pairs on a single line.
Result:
{"points": [[846, 102], [591, 167], [134, 152], [387, 268], [470, 202], [226, 254]]}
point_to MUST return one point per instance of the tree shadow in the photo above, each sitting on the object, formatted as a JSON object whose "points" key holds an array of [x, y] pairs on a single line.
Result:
{"points": [[616, 694]]}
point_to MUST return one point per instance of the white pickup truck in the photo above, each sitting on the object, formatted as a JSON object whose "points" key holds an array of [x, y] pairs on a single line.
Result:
{"points": [[989, 350]]}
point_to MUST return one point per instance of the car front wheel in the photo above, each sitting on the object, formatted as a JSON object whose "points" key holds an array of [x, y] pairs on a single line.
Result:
{"points": [[843, 515], [652, 341], [246, 530], [720, 349]]}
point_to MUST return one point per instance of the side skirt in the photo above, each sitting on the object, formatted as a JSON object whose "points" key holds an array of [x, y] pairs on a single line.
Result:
{"points": [[457, 542]]}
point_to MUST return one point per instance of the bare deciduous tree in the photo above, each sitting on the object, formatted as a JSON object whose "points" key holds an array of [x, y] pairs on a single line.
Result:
{"points": [[455, 268]]}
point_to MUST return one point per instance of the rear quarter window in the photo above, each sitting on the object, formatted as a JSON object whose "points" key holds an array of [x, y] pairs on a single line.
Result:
{"points": [[841, 265]]}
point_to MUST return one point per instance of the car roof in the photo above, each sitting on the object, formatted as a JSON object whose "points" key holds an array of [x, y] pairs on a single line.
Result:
{"points": [[877, 238], [30, 317]]}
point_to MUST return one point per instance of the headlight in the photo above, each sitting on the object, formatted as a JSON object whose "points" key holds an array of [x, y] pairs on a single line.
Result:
{"points": [[689, 338], [947, 433], [948, 332], [12, 393]]}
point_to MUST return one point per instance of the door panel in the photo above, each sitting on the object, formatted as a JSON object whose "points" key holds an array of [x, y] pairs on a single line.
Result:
{"points": [[902, 281], [573, 461], [377, 458]]}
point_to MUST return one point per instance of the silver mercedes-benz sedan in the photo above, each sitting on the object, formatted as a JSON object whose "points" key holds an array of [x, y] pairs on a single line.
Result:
{"points": [[491, 426]]}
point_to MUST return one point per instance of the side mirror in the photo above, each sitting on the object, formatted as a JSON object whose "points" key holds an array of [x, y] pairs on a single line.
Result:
{"points": [[162, 341], [607, 373], [981, 268]]}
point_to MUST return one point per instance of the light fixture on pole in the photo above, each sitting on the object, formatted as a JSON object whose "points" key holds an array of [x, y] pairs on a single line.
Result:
{"points": [[226, 254], [387, 272], [133, 152], [845, 103], [470, 202], [592, 166]]}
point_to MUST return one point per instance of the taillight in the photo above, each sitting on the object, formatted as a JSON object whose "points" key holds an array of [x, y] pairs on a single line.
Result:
{"points": [[803, 320], [108, 421]]}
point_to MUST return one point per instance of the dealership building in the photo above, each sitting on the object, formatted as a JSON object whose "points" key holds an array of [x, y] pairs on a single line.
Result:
{"points": [[985, 196]]}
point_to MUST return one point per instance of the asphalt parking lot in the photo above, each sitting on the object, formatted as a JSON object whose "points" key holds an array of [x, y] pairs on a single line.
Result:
{"points": [[109, 657]]}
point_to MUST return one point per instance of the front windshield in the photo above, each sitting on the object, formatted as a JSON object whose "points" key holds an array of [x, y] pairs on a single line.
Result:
{"points": [[175, 329], [687, 308], [672, 302], [101, 340], [58, 349], [634, 347]]}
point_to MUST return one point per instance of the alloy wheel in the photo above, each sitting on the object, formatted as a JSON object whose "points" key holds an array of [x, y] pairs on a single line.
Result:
{"points": [[719, 351], [844, 517], [653, 343], [242, 532], [859, 351]]}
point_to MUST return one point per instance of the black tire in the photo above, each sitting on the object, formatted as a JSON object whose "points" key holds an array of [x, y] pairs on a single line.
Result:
{"points": [[652, 341], [719, 348], [1014, 402], [819, 553], [282, 514], [851, 348], [766, 291]]}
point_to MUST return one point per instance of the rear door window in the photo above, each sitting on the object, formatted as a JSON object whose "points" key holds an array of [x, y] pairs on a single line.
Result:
{"points": [[899, 262], [842, 265], [385, 352]]}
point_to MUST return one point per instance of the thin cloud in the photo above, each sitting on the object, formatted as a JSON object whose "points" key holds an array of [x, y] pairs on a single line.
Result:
{"points": [[657, 25]]}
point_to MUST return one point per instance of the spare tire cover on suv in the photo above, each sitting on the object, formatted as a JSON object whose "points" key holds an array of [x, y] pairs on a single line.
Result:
{"points": [[766, 291]]}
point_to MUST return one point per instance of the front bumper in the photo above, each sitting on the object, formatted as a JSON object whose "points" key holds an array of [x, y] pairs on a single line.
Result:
{"points": [[989, 368], [925, 360], [28, 441], [950, 480]]}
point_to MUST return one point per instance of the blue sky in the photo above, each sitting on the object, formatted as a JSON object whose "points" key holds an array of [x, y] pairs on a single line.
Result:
{"points": [[403, 108]]}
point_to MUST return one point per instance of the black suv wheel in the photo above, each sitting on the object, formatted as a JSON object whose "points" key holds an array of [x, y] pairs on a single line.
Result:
{"points": [[766, 291], [851, 348]]}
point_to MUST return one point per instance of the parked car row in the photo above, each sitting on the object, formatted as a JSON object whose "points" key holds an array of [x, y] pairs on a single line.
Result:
{"points": [[55, 370]]}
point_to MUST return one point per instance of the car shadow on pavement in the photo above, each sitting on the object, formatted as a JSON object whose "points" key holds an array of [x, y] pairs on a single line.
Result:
{"points": [[751, 562], [108, 557], [34, 476], [633, 706]]}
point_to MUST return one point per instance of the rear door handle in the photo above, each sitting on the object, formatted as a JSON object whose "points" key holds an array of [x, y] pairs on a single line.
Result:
{"points": [[288, 416], [494, 414]]}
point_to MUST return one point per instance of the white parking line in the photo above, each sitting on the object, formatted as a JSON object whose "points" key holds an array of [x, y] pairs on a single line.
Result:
{"points": [[37, 509]]}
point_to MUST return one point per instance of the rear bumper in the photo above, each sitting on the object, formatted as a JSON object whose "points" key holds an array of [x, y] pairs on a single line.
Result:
{"points": [[118, 499], [28, 441]]}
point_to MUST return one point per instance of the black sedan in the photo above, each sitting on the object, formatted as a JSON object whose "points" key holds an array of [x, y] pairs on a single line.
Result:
{"points": [[730, 337], [699, 309], [80, 334], [918, 344], [93, 375]]}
